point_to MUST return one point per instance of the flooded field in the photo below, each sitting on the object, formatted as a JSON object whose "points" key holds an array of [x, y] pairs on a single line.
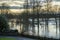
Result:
{"points": [[48, 28]]}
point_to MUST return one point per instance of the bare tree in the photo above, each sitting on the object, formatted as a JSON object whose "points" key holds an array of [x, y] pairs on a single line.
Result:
{"points": [[5, 8]]}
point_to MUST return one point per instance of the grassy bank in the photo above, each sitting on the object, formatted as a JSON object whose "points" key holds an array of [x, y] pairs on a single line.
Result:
{"points": [[7, 39]]}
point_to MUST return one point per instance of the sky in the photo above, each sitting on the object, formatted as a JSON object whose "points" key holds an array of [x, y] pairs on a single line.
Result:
{"points": [[11, 0], [24, 0], [21, 2], [57, 0]]}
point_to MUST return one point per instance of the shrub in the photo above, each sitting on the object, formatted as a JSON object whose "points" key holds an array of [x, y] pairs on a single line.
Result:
{"points": [[3, 23]]}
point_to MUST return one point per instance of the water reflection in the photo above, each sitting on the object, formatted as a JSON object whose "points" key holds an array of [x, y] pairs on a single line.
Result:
{"points": [[51, 30]]}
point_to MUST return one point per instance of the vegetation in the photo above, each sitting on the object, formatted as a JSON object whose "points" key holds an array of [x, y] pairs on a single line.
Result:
{"points": [[7, 39], [3, 24]]}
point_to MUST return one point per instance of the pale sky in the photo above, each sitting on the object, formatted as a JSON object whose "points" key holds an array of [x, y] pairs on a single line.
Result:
{"points": [[21, 2]]}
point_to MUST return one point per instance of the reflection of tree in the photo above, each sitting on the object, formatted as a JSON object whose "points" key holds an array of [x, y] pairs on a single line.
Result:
{"points": [[59, 26], [24, 21], [12, 24], [56, 20]]}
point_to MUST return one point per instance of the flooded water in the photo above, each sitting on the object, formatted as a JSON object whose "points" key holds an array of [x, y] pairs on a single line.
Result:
{"points": [[51, 31]]}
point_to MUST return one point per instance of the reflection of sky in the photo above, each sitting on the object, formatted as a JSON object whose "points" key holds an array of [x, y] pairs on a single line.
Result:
{"points": [[51, 28]]}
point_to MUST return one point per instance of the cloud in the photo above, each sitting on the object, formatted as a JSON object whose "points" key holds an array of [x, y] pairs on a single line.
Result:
{"points": [[10, 0]]}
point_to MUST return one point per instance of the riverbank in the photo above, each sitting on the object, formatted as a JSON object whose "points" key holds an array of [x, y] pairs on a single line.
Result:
{"points": [[14, 38], [29, 36]]}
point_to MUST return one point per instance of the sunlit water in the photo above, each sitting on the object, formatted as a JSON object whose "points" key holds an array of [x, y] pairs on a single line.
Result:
{"points": [[51, 33]]}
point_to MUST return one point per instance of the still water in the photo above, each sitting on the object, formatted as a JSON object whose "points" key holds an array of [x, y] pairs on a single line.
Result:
{"points": [[52, 31]]}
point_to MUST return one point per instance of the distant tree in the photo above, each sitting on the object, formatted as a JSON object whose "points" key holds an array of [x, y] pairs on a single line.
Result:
{"points": [[4, 8], [3, 24]]}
